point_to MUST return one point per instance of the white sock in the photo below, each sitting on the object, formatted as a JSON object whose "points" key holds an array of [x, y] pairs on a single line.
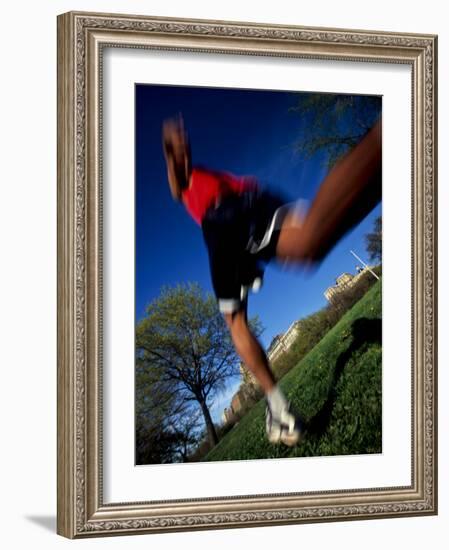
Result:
{"points": [[276, 400]]}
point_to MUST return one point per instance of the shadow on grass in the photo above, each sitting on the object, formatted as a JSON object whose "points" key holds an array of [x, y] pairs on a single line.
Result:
{"points": [[364, 331]]}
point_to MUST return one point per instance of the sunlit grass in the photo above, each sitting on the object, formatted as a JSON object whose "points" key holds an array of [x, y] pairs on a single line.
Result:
{"points": [[337, 388]]}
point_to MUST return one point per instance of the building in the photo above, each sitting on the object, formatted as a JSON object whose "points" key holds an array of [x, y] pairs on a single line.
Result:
{"points": [[237, 402], [282, 342], [343, 282], [227, 415], [290, 336], [247, 376]]}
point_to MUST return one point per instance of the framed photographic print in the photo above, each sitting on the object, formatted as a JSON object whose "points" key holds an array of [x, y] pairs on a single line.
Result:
{"points": [[246, 274]]}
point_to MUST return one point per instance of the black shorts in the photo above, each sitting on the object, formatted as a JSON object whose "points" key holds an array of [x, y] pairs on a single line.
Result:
{"points": [[241, 234]]}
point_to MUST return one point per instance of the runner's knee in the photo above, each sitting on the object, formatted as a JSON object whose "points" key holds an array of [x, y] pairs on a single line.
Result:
{"points": [[235, 320]]}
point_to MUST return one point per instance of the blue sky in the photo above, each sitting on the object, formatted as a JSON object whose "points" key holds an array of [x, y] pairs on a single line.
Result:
{"points": [[244, 132]]}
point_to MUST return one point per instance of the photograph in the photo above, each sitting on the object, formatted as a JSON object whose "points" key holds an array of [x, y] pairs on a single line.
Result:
{"points": [[234, 317], [246, 274], [258, 274]]}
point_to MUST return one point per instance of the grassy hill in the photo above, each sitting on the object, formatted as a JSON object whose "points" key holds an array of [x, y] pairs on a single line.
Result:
{"points": [[337, 388]]}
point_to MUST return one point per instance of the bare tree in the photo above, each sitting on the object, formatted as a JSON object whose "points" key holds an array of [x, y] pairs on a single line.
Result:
{"points": [[333, 123], [185, 351], [373, 241]]}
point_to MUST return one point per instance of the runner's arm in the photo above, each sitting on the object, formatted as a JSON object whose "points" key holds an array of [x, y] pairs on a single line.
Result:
{"points": [[173, 179], [177, 156]]}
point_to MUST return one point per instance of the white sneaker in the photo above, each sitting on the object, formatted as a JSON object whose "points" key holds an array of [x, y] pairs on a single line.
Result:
{"points": [[287, 429]]}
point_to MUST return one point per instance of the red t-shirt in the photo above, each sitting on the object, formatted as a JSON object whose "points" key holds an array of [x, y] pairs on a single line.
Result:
{"points": [[206, 186]]}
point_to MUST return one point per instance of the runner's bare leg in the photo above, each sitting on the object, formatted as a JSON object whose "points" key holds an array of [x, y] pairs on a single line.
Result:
{"points": [[249, 349]]}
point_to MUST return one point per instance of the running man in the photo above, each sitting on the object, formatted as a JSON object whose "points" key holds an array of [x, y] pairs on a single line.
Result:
{"points": [[245, 227]]}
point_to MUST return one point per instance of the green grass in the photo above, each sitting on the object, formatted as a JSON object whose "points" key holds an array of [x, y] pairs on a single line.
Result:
{"points": [[337, 389]]}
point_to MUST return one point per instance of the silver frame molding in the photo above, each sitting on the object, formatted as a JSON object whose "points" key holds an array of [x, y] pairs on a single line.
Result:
{"points": [[81, 38]]}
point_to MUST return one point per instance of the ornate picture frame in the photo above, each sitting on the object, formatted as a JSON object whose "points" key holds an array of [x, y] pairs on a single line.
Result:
{"points": [[82, 39]]}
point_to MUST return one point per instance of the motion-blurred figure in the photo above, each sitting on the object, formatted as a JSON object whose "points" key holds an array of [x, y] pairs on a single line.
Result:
{"points": [[245, 227]]}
